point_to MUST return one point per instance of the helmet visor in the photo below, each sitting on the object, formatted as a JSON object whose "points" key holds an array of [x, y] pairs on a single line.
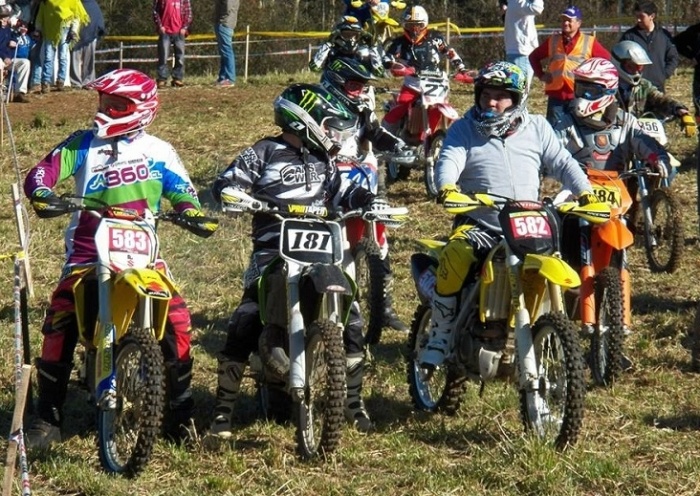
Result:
{"points": [[349, 35], [116, 106], [591, 91], [354, 89]]}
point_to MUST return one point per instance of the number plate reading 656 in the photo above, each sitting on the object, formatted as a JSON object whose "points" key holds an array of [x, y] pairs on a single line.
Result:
{"points": [[311, 241]]}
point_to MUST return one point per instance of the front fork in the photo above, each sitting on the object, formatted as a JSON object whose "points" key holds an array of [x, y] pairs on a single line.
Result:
{"points": [[645, 200]]}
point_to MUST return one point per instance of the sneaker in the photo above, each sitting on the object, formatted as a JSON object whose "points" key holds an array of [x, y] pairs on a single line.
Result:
{"points": [[225, 83], [177, 83], [20, 98], [42, 434], [161, 83]]}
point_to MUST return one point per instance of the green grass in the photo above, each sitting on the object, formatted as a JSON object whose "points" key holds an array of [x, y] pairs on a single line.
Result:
{"points": [[642, 437]]}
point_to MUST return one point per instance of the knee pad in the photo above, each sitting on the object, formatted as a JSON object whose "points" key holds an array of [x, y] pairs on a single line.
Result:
{"points": [[455, 262]]}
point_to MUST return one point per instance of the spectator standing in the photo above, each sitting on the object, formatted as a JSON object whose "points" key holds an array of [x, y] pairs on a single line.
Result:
{"points": [[172, 19], [520, 33], [82, 62], [58, 22], [35, 53], [656, 41], [19, 68], [225, 19], [555, 59]]}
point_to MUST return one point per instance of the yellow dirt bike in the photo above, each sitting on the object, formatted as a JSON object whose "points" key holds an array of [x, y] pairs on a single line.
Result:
{"points": [[121, 303], [521, 282], [380, 23]]}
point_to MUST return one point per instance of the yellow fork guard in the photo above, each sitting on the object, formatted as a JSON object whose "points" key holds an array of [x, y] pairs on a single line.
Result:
{"points": [[553, 269]]}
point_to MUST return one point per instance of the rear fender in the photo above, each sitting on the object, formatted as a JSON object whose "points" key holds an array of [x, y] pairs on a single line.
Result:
{"points": [[131, 284]]}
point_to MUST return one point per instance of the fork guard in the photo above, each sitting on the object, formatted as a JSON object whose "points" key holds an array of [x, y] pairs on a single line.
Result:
{"points": [[553, 269], [131, 284], [615, 233]]}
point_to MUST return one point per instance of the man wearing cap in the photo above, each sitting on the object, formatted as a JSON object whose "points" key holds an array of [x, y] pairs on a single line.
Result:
{"points": [[554, 60], [656, 41], [19, 68]]}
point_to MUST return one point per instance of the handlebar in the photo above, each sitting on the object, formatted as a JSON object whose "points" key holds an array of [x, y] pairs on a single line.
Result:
{"points": [[54, 206]]}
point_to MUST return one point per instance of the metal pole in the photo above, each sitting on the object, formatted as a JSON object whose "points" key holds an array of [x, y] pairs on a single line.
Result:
{"points": [[247, 51]]}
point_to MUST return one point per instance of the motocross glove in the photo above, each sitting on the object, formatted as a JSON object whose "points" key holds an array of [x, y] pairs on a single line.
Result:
{"points": [[377, 204], [195, 221], [690, 127], [47, 204], [445, 191], [586, 198]]}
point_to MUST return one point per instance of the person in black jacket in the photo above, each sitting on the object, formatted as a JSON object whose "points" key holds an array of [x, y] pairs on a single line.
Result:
{"points": [[656, 41]]}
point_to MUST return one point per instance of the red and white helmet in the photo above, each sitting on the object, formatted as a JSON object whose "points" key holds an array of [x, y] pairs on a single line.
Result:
{"points": [[595, 87], [128, 102]]}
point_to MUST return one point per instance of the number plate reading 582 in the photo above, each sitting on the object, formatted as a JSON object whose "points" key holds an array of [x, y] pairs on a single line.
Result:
{"points": [[529, 225]]}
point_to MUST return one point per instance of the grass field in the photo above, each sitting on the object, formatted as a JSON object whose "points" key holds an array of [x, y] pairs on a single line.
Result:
{"points": [[642, 437]]}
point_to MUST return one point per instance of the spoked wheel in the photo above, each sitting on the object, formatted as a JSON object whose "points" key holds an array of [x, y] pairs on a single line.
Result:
{"points": [[369, 277], [127, 431], [429, 177], [665, 247], [439, 391], [608, 336], [554, 410], [319, 417]]}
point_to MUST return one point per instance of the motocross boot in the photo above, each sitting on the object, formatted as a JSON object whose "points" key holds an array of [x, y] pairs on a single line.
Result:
{"points": [[438, 346], [391, 318], [52, 379], [229, 374], [355, 411], [178, 416]]}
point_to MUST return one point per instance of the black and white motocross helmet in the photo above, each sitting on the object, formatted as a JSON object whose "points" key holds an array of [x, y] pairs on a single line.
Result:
{"points": [[315, 116], [347, 78]]}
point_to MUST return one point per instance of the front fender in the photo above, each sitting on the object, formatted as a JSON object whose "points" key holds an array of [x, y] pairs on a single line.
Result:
{"points": [[131, 284], [329, 279], [615, 233], [553, 269], [448, 111]]}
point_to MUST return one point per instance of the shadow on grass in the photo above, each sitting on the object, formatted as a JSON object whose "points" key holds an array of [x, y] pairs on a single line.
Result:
{"points": [[685, 422], [646, 304]]}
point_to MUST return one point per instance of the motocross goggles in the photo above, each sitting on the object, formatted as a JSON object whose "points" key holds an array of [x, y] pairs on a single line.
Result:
{"points": [[115, 106], [592, 91], [354, 89], [340, 130]]}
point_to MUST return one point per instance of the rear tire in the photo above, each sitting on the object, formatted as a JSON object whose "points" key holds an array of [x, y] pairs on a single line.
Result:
{"points": [[126, 434], [608, 337], [369, 277], [668, 231], [319, 417], [555, 410]]}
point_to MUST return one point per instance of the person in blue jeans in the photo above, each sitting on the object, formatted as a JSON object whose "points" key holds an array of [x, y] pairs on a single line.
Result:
{"points": [[58, 22], [172, 19], [225, 18]]}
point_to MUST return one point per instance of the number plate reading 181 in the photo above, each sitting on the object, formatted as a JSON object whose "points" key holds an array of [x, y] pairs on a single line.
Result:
{"points": [[308, 241], [529, 225]]}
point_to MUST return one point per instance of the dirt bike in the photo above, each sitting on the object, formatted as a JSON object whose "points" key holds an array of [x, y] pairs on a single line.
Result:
{"points": [[308, 362], [369, 247], [425, 125], [380, 24], [597, 251], [121, 302], [519, 282], [658, 212]]}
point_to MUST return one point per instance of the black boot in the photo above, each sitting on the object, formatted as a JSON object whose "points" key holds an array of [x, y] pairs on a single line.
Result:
{"points": [[52, 379], [177, 418]]}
